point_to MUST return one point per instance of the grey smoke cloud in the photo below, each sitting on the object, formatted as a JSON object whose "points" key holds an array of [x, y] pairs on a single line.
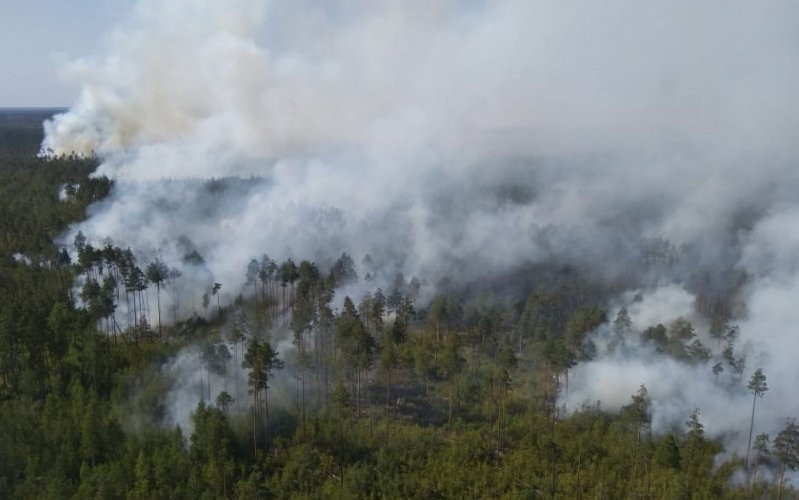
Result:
{"points": [[462, 139]]}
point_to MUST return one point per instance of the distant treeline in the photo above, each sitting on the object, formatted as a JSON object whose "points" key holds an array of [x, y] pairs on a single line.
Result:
{"points": [[21, 130]]}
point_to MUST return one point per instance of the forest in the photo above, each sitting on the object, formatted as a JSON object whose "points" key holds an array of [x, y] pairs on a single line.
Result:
{"points": [[292, 388]]}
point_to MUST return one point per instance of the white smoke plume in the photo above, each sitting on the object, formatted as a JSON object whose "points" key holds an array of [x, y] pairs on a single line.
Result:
{"points": [[462, 139]]}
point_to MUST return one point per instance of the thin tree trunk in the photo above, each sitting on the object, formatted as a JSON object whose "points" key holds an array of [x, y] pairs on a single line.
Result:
{"points": [[158, 297], [147, 305], [303, 404], [754, 475], [266, 414], [751, 428], [358, 393], [135, 319], [450, 404], [175, 293], [579, 466], [388, 400], [255, 423], [236, 374], [369, 403]]}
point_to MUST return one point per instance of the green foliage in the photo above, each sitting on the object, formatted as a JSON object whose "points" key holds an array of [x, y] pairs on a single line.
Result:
{"points": [[471, 385], [786, 447]]}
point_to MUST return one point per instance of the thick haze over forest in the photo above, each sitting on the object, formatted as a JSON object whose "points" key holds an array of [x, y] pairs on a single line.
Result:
{"points": [[651, 147]]}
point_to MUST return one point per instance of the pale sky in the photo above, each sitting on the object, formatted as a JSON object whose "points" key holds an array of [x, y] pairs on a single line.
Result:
{"points": [[37, 37]]}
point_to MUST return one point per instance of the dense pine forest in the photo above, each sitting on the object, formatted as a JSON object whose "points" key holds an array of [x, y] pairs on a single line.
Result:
{"points": [[296, 386]]}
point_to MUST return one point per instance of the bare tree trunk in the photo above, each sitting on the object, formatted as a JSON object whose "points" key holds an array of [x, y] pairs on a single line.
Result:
{"points": [[266, 414], [135, 319], [255, 423], [388, 400], [450, 403], [754, 475], [236, 374], [751, 428], [158, 297], [175, 293]]}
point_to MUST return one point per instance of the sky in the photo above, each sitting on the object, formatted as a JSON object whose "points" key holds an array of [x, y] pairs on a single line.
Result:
{"points": [[40, 36]]}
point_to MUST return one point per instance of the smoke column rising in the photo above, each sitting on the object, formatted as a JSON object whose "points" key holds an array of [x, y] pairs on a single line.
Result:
{"points": [[462, 139]]}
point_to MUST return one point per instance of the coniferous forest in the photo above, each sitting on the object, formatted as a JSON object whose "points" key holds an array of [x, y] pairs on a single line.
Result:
{"points": [[291, 388]]}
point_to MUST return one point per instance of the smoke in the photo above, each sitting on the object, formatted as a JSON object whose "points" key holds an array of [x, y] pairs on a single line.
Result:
{"points": [[194, 375], [463, 139]]}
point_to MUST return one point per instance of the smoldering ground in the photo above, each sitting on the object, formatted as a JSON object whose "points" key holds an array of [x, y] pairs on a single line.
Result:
{"points": [[466, 139]]}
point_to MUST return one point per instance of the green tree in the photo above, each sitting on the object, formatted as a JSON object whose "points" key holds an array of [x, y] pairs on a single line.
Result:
{"points": [[622, 324], [343, 271], [341, 400], [786, 449], [452, 363], [693, 448], [667, 452], [559, 359], [253, 270], [378, 310], [135, 283], [762, 452], [236, 336], [211, 451], [303, 313], [267, 274], [215, 356], [157, 272], [223, 401], [388, 362], [174, 274], [355, 345], [507, 363], [737, 363], [215, 291], [261, 360], [142, 476], [584, 320], [639, 413], [757, 386], [288, 275]]}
